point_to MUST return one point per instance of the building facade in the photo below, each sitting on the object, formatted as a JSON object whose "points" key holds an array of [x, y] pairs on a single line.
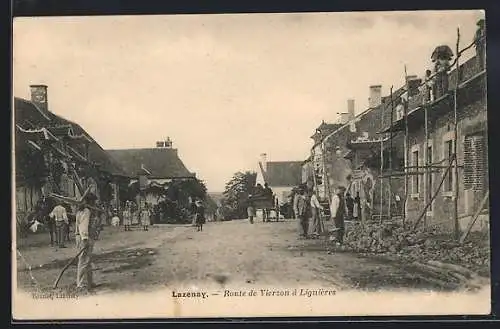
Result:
{"points": [[430, 153], [55, 155], [153, 169], [281, 176]]}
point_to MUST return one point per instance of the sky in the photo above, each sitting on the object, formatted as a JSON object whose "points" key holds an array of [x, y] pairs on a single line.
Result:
{"points": [[225, 88]]}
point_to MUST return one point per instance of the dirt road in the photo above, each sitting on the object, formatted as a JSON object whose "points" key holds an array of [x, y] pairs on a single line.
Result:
{"points": [[225, 253]]}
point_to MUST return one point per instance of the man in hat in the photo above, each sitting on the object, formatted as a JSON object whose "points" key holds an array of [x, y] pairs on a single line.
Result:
{"points": [[441, 56], [338, 212], [301, 213], [480, 43], [85, 234], [316, 209]]}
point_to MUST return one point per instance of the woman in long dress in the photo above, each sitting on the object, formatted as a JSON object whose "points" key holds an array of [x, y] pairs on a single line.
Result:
{"points": [[145, 217], [115, 220], [127, 216]]}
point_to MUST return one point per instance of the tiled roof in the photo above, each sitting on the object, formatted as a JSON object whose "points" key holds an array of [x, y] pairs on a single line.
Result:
{"points": [[284, 173], [30, 116], [160, 162]]}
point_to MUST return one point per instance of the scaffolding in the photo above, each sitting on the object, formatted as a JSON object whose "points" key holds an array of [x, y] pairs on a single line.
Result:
{"points": [[429, 168]]}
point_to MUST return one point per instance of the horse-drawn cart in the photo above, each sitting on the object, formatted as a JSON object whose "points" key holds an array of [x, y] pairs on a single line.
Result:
{"points": [[267, 204]]}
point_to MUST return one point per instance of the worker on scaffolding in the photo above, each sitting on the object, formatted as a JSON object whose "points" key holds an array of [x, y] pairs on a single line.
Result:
{"points": [[441, 56], [480, 43], [428, 87]]}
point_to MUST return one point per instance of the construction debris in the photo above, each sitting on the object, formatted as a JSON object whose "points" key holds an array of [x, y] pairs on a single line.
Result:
{"points": [[429, 248]]}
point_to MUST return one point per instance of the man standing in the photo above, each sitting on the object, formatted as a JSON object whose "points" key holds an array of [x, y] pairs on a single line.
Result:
{"points": [[316, 208], [338, 210], [85, 233], [295, 201], [357, 207], [60, 217], [301, 212], [349, 201]]}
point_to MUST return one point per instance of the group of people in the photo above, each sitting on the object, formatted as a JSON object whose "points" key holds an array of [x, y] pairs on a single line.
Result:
{"points": [[306, 207], [131, 214]]}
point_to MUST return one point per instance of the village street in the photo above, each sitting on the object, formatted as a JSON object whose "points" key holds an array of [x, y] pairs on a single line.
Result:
{"points": [[233, 253]]}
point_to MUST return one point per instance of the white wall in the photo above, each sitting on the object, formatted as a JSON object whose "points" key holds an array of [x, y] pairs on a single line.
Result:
{"points": [[282, 192]]}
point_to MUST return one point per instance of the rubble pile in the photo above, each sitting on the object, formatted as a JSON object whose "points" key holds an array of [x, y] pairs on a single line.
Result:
{"points": [[431, 244]]}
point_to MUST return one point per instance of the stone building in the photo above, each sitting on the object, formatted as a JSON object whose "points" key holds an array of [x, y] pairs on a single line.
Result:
{"points": [[153, 168], [437, 148]]}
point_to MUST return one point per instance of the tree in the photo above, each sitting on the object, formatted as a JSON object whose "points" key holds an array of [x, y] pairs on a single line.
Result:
{"points": [[236, 193], [181, 190]]}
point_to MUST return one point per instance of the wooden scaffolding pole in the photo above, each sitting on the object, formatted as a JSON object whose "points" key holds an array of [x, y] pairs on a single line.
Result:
{"points": [[381, 210], [474, 217], [427, 188], [326, 179], [407, 152], [455, 142], [443, 177], [315, 183], [390, 157]]}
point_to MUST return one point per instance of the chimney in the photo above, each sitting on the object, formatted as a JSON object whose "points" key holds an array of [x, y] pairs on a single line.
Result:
{"points": [[39, 96], [350, 108], [263, 161], [375, 96], [168, 143]]}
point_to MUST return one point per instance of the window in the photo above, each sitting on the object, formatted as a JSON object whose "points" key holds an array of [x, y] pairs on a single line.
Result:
{"points": [[448, 154], [415, 178]]}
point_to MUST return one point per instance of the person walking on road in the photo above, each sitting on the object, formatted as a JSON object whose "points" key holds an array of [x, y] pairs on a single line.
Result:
{"points": [[85, 234], [301, 212], [200, 215], [316, 209], [60, 216], [251, 210], [338, 211]]}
